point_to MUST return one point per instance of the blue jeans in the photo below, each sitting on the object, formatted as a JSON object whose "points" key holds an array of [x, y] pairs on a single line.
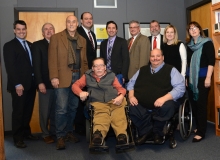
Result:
{"points": [[66, 107]]}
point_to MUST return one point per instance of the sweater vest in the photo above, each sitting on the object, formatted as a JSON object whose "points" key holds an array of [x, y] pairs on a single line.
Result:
{"points": [[149, 87], [102, 91]]}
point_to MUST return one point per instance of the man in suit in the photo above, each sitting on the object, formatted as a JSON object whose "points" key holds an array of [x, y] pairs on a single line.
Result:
{"points": [[85, 31], [139, 48], [156, 39], [67, 62], [39, 51], [91, 46], [18, 64], [114, 50]]}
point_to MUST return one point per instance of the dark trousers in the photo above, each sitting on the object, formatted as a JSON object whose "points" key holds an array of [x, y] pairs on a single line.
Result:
{"points": [[80, 120], [199, 107], [22, 112], [145, 119]]}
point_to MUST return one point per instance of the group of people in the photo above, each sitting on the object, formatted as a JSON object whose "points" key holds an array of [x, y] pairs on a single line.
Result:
{"points": [[64, 68]]}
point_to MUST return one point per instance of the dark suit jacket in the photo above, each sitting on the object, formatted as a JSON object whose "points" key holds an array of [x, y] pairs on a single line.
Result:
{"points": [[39, 52], [90, 53], [17, 64], [161, 42], [119, 58]]}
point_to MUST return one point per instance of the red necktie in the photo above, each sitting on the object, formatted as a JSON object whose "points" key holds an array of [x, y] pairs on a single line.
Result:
{"points": [[155, 43], [130, 43], [90, 38]]}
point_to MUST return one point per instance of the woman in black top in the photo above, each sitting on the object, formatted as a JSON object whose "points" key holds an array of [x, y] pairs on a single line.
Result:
{"points": [[200, 60]]}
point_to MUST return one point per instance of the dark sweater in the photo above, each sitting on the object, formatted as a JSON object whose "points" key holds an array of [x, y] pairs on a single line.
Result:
{"points": [[149, 87]]}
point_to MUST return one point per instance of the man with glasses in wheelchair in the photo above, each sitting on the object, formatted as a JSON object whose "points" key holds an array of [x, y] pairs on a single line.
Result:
{"points": [[153, 94], [106, 95]]}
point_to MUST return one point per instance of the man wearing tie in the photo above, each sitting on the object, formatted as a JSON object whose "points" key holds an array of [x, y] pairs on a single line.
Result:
{"points": [[18, 64], [85, 31], [139, 48], [114, 51], [45, 89], [156, 39]]}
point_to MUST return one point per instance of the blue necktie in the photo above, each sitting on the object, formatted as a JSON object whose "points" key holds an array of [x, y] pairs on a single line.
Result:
{"points": [[109, 54], [25, 48]]}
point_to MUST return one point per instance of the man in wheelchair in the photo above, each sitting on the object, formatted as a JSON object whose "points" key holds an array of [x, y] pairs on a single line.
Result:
{"points": [[106, 95], [153, 92]]}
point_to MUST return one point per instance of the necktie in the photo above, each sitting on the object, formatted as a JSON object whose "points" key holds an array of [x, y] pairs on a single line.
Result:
{"points": [[90, 38], [130, 43], [153, 71], [109, 54], [155, 43], [25, 48]]}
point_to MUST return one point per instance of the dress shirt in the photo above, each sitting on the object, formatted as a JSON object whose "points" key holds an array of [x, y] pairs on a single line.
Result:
{"points": [[29, 51], [113, 41], [158, 41], [177, 81], [86, 30]]}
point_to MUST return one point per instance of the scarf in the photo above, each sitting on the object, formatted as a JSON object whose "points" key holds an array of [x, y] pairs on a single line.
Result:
{"points": [[71, 50], [195, 64]]}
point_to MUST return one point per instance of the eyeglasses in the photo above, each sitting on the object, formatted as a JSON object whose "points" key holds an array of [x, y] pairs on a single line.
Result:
{"points": [[193, 28], [99, 65], [133, 27]]}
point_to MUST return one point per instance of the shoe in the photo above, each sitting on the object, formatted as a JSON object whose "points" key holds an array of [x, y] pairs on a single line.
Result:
{"points": [[143, 138], [197, 140], [158, 139], [60, 144], [71, 138], [32, 137], [97, 138], [48, 139], [20, 144], [122, 139]]}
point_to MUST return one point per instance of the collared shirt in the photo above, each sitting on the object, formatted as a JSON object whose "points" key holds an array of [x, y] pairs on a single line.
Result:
{"points": [[158, 41], [110, 38], [134, 39], [177, 81], [29, 51], [86, 30]]}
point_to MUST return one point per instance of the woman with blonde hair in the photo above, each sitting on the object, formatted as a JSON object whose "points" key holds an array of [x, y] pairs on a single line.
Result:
{"points": [[174, 50]]}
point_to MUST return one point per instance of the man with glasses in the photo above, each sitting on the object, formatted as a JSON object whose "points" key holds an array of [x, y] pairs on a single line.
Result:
{"points": [[139, 48], [107, 97]]}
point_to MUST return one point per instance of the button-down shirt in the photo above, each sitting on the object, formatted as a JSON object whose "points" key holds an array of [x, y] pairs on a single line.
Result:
{"points": [[177, 81]]}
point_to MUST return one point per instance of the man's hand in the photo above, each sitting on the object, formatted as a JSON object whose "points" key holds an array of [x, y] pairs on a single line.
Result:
{"points": [[19, 90], [133, 101], [159, 102], [42, 88], [83, 95], [118, 100], [55, 82]]}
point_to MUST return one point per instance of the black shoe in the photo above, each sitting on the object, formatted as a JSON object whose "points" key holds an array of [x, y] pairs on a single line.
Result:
{"points": [[197, 140], [122, 139], [143, 138], [97, 138], [158, 139], [20, 144], [32, 137]]}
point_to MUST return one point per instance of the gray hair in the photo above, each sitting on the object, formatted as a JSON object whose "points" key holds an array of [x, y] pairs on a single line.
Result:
{"points": [[134, 21], [46, 24]]}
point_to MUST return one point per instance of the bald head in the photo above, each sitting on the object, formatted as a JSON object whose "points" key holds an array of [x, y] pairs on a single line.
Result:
{"points": [[71, 24]]}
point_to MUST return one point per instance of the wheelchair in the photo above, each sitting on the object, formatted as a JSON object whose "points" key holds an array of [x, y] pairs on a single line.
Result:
{"points": [[183, 118], [103, 148]]}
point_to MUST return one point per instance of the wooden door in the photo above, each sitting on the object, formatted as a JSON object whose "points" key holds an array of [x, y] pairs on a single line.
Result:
{"points": [[35, 21], [202, 16]]}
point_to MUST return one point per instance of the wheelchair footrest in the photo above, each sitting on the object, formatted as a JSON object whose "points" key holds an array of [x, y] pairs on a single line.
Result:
{"points": [[98, 149], [125, 147]]}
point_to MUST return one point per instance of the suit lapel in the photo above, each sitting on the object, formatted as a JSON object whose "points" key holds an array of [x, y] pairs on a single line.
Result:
{"points": [[64, 39], [21, 48]]}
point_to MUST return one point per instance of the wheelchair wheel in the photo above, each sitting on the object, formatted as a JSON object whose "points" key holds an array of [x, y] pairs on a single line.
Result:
{"points": [[185, 119], [88, 130]]}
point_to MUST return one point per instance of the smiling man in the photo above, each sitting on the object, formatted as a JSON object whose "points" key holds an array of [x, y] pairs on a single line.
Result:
{"points": [[157, 87], [18, 64], [107, 98], [114, 50], [67, 62]]}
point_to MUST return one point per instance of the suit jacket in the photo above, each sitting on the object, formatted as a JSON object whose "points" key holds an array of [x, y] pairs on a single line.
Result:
{"points": [[90, 52], [119, 58], [139, 54], [39, 52], [17, 64], [58, 58], [161, 41]]}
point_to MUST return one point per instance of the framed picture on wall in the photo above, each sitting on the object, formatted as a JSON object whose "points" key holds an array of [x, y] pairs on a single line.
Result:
{"points": [[145, 28], [100, 32]]}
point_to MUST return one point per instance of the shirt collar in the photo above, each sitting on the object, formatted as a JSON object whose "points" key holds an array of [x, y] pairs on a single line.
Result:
{"points": [[158, 68]]}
